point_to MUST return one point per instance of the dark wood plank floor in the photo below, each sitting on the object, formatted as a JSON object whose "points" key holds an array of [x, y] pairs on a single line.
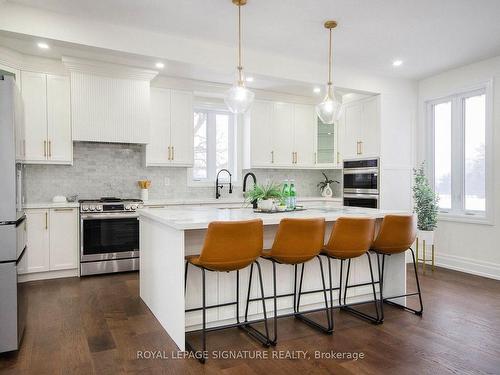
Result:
{"points": [[97, 325]]}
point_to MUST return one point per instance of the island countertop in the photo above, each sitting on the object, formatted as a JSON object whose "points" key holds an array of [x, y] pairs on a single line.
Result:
{"points": [[188, 218]]}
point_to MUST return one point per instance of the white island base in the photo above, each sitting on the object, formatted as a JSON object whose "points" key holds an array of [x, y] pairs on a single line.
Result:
{"points": [[167, 235]]}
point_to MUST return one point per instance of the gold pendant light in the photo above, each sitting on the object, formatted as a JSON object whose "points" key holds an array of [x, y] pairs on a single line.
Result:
{"points": [[238, 98], [330, 109]]}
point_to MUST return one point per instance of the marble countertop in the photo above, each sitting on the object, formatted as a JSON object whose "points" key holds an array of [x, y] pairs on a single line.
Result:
{"points": [[188, 218], [222, 201]]}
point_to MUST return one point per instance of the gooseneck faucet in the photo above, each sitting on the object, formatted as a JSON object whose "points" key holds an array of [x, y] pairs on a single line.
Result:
{"points": [[221, 185], [250, 174]]}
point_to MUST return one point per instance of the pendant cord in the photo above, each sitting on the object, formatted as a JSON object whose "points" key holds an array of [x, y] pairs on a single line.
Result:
{"points": [[330, 61], [240, 68]]}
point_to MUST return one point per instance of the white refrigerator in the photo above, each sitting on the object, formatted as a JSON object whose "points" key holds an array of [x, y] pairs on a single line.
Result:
{"points": [[13, 304]]}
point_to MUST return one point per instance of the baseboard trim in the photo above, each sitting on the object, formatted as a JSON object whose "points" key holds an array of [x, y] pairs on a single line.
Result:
{"points": [[468, 265], [47, 275]]}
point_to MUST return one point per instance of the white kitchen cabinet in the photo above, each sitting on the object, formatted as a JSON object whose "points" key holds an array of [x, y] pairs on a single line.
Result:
{"points": [[63, 234], [261, 135], [37, 231], [171, 137], [304, 124], [360, 129], [283, 134], [181, 128], [52, 239], [46, 101], [280, 135]]}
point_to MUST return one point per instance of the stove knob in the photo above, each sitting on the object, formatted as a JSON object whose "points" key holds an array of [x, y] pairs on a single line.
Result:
{"points": [[92, 208], [98, 208], [85, 208], [127, 207], [134, 207]]}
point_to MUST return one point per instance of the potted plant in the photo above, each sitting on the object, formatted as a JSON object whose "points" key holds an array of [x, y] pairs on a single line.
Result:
{"points": [[265, 195], [426, 206], [325, 188]]}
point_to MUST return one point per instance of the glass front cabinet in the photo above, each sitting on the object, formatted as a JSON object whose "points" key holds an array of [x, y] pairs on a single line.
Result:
{"points": [[327, 150]]}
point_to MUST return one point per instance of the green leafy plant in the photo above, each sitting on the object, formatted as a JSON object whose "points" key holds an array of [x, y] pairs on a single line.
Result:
{"points": [[270, 190], [322, 185], [426, 201]]}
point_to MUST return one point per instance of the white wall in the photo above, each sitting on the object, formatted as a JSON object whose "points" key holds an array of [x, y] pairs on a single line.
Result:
{"points": [[468, 247]]}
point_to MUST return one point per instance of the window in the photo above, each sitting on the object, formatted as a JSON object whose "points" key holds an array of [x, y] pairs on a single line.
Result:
{"points": [[214, 144], [460, 148]]}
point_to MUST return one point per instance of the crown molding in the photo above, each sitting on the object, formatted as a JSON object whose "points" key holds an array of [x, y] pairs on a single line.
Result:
{"points": [[105, 69]]}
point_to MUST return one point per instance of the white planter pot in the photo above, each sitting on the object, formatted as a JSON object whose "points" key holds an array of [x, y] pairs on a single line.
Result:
{"points": [[327, 191], [265, 204], [427, 236]]}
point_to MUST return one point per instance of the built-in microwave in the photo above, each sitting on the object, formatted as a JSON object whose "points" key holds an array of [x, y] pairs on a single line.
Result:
{"points": [[361, 183]]}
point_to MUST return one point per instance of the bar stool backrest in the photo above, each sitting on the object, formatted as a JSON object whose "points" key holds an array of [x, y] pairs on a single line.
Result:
{"points": [[232, 245], [298, 240], [396, 234], [351, 237]]}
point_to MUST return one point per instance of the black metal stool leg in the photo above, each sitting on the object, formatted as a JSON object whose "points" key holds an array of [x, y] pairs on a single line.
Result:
{"points": [[416, 312], [185, 276], [301, 316], [248, 294], [275, 303], [331, 291], [355, 312]]}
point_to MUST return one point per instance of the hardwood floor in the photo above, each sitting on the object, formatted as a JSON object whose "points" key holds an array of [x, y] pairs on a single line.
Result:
{"points": [[97, 325]]}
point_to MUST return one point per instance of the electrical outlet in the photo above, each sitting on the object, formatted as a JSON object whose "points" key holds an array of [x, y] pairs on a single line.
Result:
{"points": [[166, 181]]}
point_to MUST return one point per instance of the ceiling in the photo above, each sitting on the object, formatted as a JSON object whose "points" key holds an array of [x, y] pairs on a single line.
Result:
{"points": [[428, 35]]}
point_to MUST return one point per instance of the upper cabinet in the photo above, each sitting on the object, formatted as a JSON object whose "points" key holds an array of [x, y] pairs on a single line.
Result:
{"points": [[171, 128], [109, 102], [360, 129], [281, 135], [47, 120]]}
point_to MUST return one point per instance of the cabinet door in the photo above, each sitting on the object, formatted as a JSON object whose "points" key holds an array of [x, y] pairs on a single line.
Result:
{"points": [[351, 131], [304, 135], [60, 144], [157, 150], [63, 238], [37, 252], [283, 134], [370, 129], [34, 94], [181, 128], [261, 135]]}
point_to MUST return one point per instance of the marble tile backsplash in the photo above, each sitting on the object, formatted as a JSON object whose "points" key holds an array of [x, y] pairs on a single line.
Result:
{"points": [[103, 169]]}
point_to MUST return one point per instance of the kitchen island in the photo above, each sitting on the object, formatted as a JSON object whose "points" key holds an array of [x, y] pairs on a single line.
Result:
{"points": [[168, 235]]}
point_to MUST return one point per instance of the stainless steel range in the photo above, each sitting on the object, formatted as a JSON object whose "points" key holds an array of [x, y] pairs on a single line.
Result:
{"points": [[109, 235]]}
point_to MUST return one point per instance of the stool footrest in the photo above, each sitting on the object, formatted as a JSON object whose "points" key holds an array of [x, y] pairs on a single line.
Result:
{"points": [[312, 323]]}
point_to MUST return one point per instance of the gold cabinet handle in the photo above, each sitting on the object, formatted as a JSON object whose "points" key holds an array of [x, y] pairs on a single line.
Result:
{"points": [[272, 157], [360, 147], [62, 209], [45, 149], [173, 152], [338, 157], [296, 157], [169, 153], [315, 158], [46, 220], [50, 149]]}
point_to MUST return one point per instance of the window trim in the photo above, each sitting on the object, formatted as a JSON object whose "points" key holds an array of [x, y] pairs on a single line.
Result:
{"points": [[233, 134], [468, 216]]}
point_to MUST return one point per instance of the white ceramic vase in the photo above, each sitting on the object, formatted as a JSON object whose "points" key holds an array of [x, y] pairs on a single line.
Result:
{"points": [[327, 191], [427, 236], [144, 194]]}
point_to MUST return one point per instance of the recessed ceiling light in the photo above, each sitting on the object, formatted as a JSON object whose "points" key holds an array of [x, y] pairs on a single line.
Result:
{"points": [[397, 63], [160, 65], [249, 79], [316, 90], [43, 45]]}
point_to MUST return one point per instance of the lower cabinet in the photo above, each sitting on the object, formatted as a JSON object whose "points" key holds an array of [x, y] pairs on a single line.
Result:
{"points": [[52, 239]]}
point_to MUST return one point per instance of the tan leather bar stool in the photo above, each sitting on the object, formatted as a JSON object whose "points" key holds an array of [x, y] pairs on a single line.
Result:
{"points": [[351, 238], [229, 246], [297, 241], [396, 236]]}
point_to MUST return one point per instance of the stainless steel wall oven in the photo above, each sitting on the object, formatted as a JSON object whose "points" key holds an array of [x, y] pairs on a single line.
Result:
{"points": [[361, 183]]}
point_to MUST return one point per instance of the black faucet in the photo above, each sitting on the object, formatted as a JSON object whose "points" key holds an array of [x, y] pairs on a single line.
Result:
{"points": [[221, 185], [250, 174]]}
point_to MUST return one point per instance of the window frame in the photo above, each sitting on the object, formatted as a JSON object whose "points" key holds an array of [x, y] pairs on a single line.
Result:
{"points": [[457, 99], [213, 110]]}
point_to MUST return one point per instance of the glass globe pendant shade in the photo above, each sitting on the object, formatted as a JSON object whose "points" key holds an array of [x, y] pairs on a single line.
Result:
{"points": [[330, 109], [239, 99]]}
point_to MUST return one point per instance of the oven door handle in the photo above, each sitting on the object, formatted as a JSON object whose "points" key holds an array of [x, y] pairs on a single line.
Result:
{"points": [[109, 216], [373, 171], [367, 196]]}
